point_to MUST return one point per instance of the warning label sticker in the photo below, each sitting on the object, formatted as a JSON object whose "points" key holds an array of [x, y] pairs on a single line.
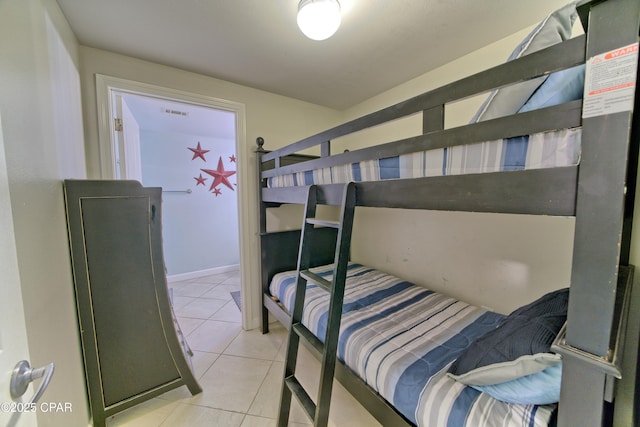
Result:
{"points": [[610, 82]]}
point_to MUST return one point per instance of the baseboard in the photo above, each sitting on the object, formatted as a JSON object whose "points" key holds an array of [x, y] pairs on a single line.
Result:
{"points": [[202, 273]]}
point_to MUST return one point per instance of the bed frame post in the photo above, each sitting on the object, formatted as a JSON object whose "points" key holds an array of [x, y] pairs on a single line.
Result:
{"points": [[263, 228], [600, 211], [259, 153], [325, 149], [433, 119]]}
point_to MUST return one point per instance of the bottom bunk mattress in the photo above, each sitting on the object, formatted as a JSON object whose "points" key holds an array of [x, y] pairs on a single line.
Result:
{"points": [[401, 340]]}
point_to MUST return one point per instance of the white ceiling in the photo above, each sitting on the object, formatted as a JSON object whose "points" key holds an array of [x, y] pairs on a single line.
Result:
{"points": [[173, 117], [256, 43]]}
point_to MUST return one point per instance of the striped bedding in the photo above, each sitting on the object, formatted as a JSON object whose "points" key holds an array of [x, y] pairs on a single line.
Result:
{"points": [[536, 151], [401, 338]]}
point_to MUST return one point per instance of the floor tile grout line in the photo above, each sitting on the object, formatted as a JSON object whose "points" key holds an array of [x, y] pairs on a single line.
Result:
{"points": [[214, 361], [219, 308], [259, 388]]}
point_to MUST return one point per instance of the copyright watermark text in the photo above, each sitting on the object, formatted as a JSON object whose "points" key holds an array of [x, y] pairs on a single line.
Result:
{"points": [[24, 407]]}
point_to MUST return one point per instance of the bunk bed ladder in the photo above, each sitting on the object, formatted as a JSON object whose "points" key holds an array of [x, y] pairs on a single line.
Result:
{"points": [[318, 412]]}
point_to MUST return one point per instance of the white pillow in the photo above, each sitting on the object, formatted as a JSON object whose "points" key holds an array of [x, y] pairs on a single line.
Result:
{"points": [[506, 371]]}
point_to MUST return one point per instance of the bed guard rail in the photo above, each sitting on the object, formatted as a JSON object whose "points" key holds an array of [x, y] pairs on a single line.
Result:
{"points": [[612, 364], [544, 62]]}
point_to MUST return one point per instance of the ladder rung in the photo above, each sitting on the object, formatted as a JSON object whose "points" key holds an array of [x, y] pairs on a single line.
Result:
{"points": [[298, 333], [319, 280], [302, 395], [305, 333], [323, 223]]}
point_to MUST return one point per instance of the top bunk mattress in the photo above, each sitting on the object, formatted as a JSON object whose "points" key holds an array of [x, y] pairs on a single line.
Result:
{"points": [[401, 340], [542, 150]]}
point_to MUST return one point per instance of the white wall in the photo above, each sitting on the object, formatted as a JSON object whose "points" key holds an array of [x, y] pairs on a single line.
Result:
{"points": [[199, 229], [42, 124]]}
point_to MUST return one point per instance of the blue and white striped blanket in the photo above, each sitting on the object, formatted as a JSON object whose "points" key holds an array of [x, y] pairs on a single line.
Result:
{"points": [[536, 151], [401, 338]]}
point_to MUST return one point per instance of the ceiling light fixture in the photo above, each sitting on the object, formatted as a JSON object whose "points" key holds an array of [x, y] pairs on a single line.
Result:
{"points": [[319, 19]]}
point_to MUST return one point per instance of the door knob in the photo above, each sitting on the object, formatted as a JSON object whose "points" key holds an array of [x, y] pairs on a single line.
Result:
{"points": [[23, 374]]}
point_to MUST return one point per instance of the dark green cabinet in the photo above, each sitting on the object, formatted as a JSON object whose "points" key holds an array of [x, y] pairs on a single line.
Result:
{"points": [[130, 341]]}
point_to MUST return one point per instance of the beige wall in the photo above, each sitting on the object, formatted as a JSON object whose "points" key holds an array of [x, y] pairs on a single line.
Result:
{"points": [[279, 120], [507, 259], [456, 114], [496, 261], [282, 120], [499, 261], [42, 126]]}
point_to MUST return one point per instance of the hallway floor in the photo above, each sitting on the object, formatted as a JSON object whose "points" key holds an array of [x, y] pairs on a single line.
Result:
{"points": [[239, 371]]}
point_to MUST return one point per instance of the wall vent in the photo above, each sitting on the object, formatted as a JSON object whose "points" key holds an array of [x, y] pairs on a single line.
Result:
{"points": [[174, 112]]}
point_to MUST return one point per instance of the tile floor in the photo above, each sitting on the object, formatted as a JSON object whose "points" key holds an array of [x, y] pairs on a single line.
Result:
{"points": [[239, 371]]}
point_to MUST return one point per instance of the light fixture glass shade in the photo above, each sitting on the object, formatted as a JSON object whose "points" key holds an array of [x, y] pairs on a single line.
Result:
{"points": [[319, 19]]}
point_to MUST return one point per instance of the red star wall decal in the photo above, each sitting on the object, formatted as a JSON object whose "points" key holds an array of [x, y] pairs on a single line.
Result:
{"points": [[198, 152], [217, 191], [200, 179], [220, 176], [232, 158]]}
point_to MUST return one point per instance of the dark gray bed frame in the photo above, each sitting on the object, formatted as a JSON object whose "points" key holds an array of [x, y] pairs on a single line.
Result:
{"points": [[599, 193]]}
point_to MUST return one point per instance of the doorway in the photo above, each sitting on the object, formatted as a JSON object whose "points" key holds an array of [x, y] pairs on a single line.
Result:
{"points": [[190, 152], [215, 165]]}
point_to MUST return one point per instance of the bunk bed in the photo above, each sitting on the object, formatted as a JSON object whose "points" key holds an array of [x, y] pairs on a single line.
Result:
{"points": [[543, 155]]}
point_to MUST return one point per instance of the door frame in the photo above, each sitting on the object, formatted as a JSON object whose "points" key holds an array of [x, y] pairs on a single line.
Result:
{"points": [[249, 255]]}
